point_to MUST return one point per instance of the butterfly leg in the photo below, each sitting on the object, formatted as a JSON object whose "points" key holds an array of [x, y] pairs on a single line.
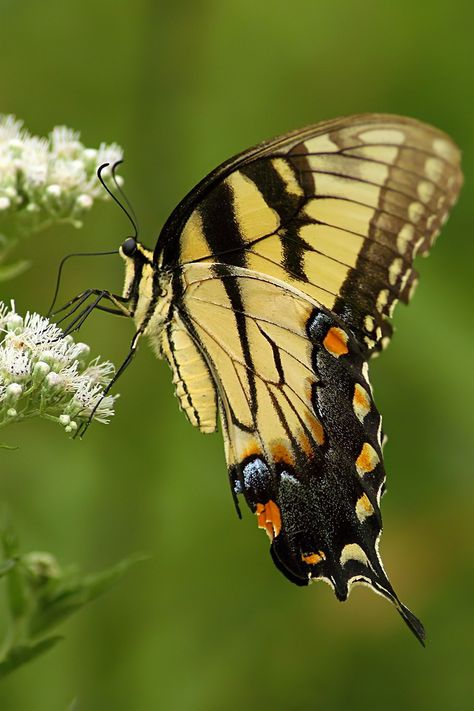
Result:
{"points": [[133, 347], [120, 303], [84, 295]]}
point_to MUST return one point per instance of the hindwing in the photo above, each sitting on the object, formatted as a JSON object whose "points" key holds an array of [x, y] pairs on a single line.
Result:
{"points": [[302, 434]]}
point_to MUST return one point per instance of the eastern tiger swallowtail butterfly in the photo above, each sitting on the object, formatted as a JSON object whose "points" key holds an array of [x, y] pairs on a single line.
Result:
{"points": [[271, 286]]}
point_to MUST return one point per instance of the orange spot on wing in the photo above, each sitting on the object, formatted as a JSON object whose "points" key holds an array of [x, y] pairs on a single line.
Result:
{"points": [[364, 508], [360, 397], [360, 402], [313, 558], [305, 443], [280, 453], [335, 342], [367, 459], [365, 503], [251, 449], [269, 518], [316, 428], [308, 388]]}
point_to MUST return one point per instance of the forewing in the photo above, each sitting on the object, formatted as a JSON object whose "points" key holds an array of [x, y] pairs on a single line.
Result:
{"points": [[339, 210], [302, 434]]}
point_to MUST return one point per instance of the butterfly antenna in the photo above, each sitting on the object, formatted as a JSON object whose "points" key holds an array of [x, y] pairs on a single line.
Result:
{"points": [[125, 198], [100, 170], [61, 266]]}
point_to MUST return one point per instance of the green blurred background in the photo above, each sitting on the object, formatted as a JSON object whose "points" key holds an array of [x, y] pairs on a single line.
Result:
{"points": [[208, 623]]}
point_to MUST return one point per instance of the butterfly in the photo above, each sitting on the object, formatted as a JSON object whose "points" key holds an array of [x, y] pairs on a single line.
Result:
{"points": [[271, 286]]}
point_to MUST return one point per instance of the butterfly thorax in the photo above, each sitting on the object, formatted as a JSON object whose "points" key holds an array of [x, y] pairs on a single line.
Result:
{"points": [[149, 293]]}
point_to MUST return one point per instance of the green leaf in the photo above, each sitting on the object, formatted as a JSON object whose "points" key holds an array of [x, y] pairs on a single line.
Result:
{"points": [[64, 597], [17, 656], [6, 566]]}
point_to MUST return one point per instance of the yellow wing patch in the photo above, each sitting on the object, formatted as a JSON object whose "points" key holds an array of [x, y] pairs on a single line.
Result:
{"points": [[269, 371], [254, 216]]}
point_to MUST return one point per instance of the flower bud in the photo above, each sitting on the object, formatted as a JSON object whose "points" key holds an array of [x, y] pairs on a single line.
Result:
{"points": [[13, 392], [41, 567], [40, 371], [84, 202], [13, 321], [11, 192], [81, 350], [90, 154], [53, 380], [54, 190]]}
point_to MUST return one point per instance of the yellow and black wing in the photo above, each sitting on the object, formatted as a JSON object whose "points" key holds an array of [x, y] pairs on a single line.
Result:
{"points": [[339, 210], [285, 264]]}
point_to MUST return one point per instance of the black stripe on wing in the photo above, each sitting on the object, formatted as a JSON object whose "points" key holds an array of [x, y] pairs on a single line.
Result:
{"points": [[220, 227], [275, 190]]}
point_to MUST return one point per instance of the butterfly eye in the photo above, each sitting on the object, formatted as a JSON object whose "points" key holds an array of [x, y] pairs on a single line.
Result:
{"points": [[129, 247]]}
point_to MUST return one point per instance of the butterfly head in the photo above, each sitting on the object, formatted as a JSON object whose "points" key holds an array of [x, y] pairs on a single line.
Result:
{"points": [[144, 288], [136, 256], [129, 247], [134, 253]]}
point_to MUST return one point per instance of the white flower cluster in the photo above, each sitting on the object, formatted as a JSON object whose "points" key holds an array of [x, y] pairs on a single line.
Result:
{"points": [[43, 180], [43, 373]]}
